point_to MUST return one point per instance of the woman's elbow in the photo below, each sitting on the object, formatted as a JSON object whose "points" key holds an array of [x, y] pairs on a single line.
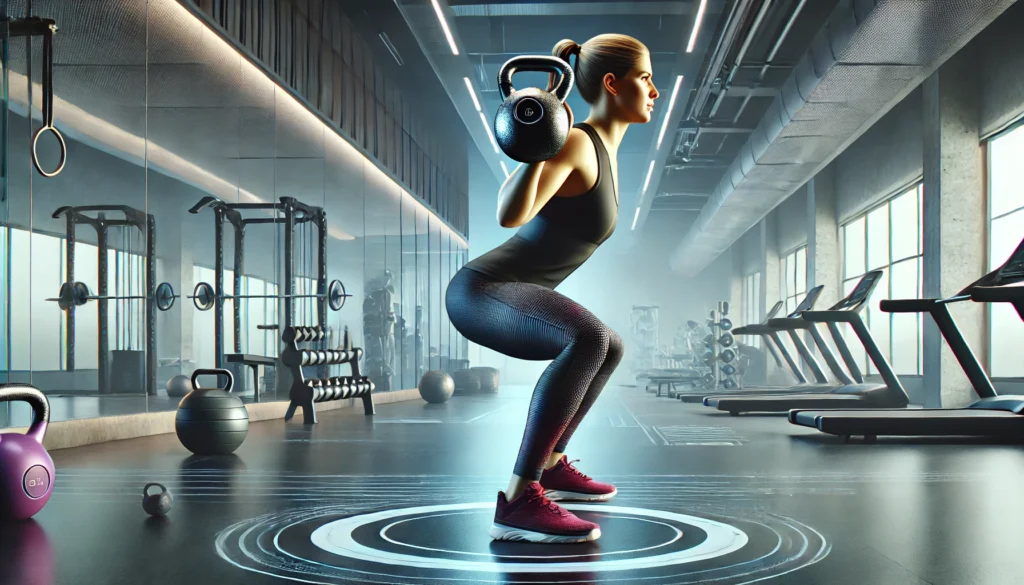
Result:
{"points": [[509, 222]]}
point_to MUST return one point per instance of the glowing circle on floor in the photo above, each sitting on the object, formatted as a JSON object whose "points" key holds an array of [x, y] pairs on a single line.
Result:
{"points": [[375, 538], [337, 538]]}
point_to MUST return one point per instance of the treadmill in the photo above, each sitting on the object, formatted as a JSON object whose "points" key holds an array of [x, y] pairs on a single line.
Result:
{"points": [[891, 394], [991, 415], [770, 334]]}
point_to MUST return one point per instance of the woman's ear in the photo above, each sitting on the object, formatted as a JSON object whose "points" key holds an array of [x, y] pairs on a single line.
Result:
{"points": [[609, 83]]}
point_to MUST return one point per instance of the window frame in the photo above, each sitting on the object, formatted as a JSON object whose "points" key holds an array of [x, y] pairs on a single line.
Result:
{"points": [[990, 314], [847, 281]]}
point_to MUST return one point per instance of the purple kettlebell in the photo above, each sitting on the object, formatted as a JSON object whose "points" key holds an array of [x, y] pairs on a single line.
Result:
{"points": [[26, 469]]}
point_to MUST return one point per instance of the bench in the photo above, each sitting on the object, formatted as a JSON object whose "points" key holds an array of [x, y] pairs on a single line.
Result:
{"points": [[254, 362]]}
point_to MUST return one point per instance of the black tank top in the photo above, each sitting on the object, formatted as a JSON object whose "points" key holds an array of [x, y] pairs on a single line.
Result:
{"points": [[561, 237]]}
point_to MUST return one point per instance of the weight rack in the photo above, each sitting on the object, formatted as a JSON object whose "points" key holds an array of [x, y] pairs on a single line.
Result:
{"points": [[306, 392], [132, 217]]}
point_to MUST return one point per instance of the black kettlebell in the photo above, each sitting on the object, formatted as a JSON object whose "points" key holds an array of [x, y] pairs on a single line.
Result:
{"points": [[532, 124], [156, 504], [211, 421]]}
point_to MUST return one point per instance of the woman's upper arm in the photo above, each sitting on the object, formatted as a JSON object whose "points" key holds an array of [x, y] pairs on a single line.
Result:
{"points": [[557, 170]]}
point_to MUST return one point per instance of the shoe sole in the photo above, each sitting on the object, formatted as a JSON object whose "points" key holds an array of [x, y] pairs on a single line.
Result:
{"points": [[499, 532], [561, 496]]}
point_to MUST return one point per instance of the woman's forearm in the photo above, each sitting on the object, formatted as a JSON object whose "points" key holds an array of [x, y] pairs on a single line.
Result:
{"points": [[518, 196]]}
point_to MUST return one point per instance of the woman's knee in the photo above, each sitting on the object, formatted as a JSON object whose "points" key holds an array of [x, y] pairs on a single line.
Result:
{"points": [[592, 336], [616, 348]]}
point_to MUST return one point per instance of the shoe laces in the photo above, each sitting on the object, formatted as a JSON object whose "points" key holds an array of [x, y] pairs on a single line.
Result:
{"points": [[572, 469], [533, 496]]}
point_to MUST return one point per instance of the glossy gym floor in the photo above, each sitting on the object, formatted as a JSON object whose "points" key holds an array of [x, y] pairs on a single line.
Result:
{"points": [[406, 496]]}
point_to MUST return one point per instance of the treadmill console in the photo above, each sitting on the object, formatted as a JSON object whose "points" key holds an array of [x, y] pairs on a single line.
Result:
{"points": [[808, 303], [1013, 270], [863, 289], [860, 293]]}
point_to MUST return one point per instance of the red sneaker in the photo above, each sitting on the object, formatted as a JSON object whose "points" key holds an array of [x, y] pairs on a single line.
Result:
{"points": [[565, 483], [533, 518]]}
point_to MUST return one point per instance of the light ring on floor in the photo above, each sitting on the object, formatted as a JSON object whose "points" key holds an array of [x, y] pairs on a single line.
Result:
{"points": [[383, 535], [278, 544], [336, 538]]}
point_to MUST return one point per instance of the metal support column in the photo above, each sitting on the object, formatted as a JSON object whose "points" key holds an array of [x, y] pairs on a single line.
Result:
{"points": [[151, 305], [104, 334], [218, 316]]}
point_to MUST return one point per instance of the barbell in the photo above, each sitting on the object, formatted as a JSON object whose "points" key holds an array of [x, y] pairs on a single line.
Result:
{"points": [[78, 293], [204, 297]]}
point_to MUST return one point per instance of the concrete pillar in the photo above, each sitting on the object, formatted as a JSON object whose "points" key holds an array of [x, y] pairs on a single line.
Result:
{"points": [[955, 220], [770, 281], [824, 260]]}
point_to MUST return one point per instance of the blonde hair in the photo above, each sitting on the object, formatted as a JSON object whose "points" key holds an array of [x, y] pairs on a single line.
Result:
{"points": [[607, 53]]}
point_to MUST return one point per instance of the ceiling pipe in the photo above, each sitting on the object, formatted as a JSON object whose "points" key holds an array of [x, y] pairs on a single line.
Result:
{"points": [[771, 57], [751, 34], [718, 56], [736, 16]]}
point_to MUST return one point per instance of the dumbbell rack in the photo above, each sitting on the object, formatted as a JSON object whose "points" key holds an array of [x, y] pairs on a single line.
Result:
{"points": [[717, 333], [306, 392]]}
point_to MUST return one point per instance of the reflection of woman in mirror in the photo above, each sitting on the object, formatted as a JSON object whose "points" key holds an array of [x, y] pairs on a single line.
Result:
{"points": [[505, 300]]}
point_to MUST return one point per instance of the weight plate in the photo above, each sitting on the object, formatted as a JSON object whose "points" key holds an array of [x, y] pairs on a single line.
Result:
{"points": [[203, 296], [81, 293], [65, 298], [336, 295], [164, 296]]}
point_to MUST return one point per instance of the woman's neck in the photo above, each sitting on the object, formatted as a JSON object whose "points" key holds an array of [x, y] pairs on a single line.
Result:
{"points": [[611, 130]]}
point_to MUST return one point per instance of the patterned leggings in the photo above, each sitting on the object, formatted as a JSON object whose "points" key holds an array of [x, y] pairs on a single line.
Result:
{"points": [[531, 322]]}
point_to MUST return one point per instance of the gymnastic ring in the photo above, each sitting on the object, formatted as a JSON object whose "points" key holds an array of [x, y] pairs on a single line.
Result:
{"points": [[35, 151]]}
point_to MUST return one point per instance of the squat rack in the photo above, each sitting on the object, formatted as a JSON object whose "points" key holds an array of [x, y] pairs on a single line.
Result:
{"points": [[74, 216], [289, 211]]}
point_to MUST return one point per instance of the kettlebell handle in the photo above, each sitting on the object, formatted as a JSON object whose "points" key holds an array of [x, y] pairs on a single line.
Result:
{"points": [[36, 399], [213, 372], [536, 63], [145, 490]]}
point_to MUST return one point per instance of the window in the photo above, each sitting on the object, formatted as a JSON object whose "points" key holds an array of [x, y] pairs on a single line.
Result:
{"points": [[1006, 227], [794, 278], [751, 305], [870, 242]]}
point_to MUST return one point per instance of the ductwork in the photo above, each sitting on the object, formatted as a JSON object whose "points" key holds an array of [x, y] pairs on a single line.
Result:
{"points": [[868, 57]]}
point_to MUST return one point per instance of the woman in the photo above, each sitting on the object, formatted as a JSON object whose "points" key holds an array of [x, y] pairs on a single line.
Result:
{"points": [[505, 299]]}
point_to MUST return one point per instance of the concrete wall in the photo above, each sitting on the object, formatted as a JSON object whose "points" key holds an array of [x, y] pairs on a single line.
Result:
{"points": [[882, 161], [790, 218], [1001, 60]]}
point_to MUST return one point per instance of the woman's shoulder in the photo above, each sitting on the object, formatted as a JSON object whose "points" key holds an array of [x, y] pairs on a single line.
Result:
{"points": [[579, 146]]}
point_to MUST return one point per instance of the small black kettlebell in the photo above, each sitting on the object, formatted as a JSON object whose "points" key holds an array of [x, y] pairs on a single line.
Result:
{"points": [[156, 504], [531, 124]]}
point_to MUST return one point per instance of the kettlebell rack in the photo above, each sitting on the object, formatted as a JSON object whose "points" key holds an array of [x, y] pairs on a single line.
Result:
{"points": [[306, 392]]}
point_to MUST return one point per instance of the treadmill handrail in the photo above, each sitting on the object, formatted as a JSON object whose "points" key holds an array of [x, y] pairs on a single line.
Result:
{"points": [[892, 382], [939, 310]]}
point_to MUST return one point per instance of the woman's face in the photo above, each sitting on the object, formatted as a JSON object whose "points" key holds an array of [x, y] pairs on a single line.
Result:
{"points": [[636, 92]]}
